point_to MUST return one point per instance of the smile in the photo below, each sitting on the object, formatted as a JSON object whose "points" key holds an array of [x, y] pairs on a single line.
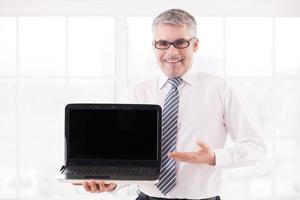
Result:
{"points": [[173, 61]]}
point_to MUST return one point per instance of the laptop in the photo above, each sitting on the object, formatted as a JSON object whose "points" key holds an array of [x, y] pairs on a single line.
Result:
{"points": [[112, 142]]}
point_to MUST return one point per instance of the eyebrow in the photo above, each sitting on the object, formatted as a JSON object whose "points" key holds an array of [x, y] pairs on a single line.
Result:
{"points": [[168, 41]]}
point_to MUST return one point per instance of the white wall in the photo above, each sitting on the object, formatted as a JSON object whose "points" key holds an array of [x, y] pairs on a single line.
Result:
{"points": [[43, 45], [143, 7]]}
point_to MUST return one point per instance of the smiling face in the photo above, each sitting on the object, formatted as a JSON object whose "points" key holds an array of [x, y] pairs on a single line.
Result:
{"points": [[174, 62]]}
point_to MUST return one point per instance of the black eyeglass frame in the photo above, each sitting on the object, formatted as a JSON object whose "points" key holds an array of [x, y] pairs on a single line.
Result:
{"points": [[173, 43]]}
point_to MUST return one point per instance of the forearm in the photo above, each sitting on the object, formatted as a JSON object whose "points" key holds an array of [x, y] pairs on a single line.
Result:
{"points": [[242, 153]]}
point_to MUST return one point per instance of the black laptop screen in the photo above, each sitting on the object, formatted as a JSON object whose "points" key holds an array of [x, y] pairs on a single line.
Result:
{"points": [[113, 134]]}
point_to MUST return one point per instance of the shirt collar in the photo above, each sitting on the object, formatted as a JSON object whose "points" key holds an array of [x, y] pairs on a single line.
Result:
{"points": [[189, 77], [162, 80]]}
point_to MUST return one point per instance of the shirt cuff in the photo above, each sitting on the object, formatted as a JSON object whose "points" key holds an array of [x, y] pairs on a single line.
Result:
{"points": [[222, 157], [118, 187]]}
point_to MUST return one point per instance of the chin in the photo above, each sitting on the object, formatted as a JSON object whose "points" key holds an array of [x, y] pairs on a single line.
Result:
{"points": [[173, 74]]}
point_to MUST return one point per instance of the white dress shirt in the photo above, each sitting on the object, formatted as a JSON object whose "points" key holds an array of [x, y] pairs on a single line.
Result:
{"points": [[210, 110]]}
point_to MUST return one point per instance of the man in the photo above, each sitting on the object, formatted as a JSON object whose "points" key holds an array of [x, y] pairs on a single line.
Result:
{"points": [[199, 111]]}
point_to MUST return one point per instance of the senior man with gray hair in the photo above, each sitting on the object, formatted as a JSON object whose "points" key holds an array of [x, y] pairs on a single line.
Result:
{"points": [[199, 112]]}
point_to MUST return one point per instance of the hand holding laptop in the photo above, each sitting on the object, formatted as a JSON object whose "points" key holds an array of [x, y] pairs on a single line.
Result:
{"points": [[97, 186]]}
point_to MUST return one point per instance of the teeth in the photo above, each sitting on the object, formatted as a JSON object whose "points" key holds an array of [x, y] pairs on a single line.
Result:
{"points": [[172, 61]]}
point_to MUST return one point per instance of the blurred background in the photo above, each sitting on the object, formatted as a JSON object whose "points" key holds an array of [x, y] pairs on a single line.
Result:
{"points": [[53, 52]]}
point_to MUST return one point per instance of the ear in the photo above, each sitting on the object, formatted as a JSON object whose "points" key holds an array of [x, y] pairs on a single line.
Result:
{"points": [[153, 47], [196, 45]]}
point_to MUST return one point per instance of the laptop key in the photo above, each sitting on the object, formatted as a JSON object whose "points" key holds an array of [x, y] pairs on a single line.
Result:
{"points": [[92, 171]]}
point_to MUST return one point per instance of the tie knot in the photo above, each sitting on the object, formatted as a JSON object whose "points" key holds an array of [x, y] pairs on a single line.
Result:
{"points": [[175, 81]]}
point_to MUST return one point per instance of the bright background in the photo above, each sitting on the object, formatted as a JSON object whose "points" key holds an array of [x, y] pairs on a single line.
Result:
{"points": [[55, 52]]}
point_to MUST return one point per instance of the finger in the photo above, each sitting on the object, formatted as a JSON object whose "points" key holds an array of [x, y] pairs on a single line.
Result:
{"points": [[94, 187], [102, 187], [99, 185], [86, 187], [110, 187], [202, 144], [183, 156], [113, 186], [199, 148]]}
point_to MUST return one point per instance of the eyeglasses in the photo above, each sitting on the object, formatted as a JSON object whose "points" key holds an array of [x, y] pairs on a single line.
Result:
{"points": [[178, 44]]}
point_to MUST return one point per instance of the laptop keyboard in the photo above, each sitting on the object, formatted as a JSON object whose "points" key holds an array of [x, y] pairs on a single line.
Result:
{"points": [[85, 170]]}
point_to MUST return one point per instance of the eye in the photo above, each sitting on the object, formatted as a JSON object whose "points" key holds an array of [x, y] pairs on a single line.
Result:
{"points": [[162, 43], [181, 43]]}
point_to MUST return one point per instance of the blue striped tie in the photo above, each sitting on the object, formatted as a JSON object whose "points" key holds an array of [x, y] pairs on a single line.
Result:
{"points": [[167, 179]]}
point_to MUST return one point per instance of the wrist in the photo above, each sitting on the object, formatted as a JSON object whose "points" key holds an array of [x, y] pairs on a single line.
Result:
{"points": [[212, 159]]}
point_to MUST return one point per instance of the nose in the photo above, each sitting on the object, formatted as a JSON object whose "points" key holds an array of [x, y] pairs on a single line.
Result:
{"points": [[172, 50]]}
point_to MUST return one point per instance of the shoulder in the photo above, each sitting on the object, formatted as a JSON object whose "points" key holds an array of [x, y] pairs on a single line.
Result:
{"points": [[208, 77], [144, 85], [141, 91], [217, 85], [209, 80]]}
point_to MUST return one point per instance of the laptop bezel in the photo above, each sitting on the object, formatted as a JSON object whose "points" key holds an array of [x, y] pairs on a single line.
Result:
{"points": [[104, 162]]}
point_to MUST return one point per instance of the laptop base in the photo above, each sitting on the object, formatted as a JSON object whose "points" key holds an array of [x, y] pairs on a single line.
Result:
{"points": [[79, 181]]}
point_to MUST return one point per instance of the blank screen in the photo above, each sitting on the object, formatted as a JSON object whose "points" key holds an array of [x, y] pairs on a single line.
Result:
{"points": [[113, 134]]}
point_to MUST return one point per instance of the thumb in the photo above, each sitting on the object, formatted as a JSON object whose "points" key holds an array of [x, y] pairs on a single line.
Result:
{"points": [[202, 144], [112, 186]]}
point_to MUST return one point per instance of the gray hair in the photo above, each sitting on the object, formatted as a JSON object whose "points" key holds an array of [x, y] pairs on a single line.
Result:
{"points": [[176, 17]]}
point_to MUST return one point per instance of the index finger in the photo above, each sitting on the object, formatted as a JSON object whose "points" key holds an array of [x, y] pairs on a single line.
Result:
{"points": [[182, 156]]}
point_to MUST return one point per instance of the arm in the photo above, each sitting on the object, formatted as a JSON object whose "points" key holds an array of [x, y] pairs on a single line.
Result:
{"points": [[248, 147]]}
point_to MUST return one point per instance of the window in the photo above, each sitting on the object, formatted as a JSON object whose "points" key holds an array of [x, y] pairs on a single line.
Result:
{"points": [[50, 60]]}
